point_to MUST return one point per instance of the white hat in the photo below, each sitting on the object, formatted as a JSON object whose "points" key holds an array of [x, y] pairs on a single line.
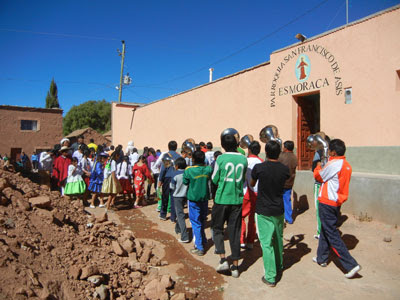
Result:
{"points": [[64, 140], [63, 148]]}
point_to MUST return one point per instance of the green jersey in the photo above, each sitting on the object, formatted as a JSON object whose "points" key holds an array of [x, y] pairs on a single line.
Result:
{"points": [[197, 178], [229, 174]]}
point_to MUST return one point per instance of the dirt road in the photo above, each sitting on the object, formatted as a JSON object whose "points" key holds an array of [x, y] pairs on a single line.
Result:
{"points": [[301, 279]]}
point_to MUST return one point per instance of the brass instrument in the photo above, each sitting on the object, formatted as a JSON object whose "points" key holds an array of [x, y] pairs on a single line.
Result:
{"points": [[245, 141], [270, 133], [317, 142], [167, 160], [189, 146], [233, 132]]}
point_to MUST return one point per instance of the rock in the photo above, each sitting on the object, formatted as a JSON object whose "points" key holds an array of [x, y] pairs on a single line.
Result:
{"points": [[128, 246], [4, 201], [164, 296], [4, 183], [45, 214], [102, 218], [101, 292], [166, 282], [96, 279], [117, 249], [137, 266], [74, 272], [89, 271], [387, 239], [9, 223], [180, 296], [154, 290], [128, 234], [8, 192], [22, 204], [138, 247], [59, 216], [145, 256], [41, 202]]}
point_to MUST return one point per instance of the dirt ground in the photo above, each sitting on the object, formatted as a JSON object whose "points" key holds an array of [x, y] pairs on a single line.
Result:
{"points": [[301, 279]]}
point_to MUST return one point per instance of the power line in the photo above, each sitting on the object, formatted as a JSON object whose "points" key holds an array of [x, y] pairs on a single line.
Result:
{"points": [[67, 81], [246, 47], [60, 34]]}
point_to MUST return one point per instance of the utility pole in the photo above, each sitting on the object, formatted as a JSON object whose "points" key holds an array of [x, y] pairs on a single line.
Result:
{"points": [[347, 12], [122, 70]]}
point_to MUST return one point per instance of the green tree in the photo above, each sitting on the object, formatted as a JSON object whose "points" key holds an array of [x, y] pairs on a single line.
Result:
{"points": [[52, 96], [94, 114]]}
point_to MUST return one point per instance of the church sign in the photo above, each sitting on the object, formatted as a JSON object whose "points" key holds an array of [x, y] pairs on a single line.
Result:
{"points": [[303, 70]]}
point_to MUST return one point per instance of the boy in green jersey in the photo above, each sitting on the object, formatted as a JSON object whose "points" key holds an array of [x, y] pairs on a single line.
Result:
{"points": [[228, 174], [198, 194]]}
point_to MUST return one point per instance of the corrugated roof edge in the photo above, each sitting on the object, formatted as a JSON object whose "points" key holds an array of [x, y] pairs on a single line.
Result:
{"points": [[341, 27], [29, 108]]}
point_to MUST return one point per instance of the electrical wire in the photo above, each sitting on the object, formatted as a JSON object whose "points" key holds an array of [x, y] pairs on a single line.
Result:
{"points": [[61, 34]]}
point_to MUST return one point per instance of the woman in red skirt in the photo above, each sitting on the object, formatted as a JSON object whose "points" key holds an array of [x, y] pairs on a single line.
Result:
{"points": [[140, 173], [124, 176]]}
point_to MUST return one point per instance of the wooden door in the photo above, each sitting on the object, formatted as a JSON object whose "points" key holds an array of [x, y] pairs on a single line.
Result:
{"points": [[15, 154], [307, 123]]}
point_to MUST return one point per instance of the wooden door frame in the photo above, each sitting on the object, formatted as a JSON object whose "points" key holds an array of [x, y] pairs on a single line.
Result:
{"points": [[299, 111]]}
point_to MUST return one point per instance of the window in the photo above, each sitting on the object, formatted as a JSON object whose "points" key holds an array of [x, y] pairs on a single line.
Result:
{"points": [[398, 80], [29, 125], [348, 95]]}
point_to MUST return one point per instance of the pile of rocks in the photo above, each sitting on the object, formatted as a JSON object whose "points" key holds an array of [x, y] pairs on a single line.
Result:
{"points": [[51, 248]]}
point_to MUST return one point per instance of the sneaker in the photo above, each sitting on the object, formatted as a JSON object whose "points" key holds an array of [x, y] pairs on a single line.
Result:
{"points": [[223, 267], [183, 241], [243, 246], [197, 252], [163, 218], [158, 210], [102, 205], [92, 206], [270, 284], [137, 206], [235, 271], [316, 236], [353, 272], [324, 264]]}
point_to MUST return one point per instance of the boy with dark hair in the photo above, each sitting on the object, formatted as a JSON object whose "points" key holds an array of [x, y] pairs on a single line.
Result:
{"points": [[249, 199], [198, 194], [164, 180], [209, 154], [179, 191], [271, 176], [288, 158], [334, 191], [229, 174]]}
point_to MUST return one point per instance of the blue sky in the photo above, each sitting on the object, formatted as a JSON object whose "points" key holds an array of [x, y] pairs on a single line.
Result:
{"points": [[169, 44]]}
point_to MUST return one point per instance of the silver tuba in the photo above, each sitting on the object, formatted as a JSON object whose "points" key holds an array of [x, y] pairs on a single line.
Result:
{"points": [[270, 133], [317, 141], [233, 132], [189, 146], [167, 160], [245, 141]]}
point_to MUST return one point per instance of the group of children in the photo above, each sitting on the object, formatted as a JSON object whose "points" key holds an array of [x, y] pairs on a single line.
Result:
{"points": [[257, 190], [241, 188]]}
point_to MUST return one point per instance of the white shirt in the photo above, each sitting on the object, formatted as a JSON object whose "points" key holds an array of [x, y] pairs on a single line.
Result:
{"points": [[251, 162], [45, 161], [78, 155], [209, 157], [123, 170], [108, 171], [133, 158]]}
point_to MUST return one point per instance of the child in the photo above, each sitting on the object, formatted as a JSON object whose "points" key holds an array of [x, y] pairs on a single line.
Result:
{"points": [[249, 199], [198, 194], [60, 168], [209, 154], [271, 176], [179, 194], [229, 174], [124, 176], [97, 178], [334, 191], [75, 184], [140, 172], [290, 160], [111, 185]]}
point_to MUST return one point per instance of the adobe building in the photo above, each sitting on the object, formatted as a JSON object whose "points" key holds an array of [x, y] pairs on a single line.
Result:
{"points": [[345, 82], [87, 134], [28, 129]]}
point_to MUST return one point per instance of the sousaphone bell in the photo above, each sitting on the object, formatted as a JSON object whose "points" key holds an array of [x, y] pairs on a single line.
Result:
{"points": [[245, 141], [231, 131], [189, 146], [270, 133], [317, 141]]}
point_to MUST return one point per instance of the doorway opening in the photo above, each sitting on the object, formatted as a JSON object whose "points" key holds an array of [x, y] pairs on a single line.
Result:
{"points": [[308, 122]]}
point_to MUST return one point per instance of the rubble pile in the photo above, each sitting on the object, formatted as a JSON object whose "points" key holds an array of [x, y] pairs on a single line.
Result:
{"points": [[51, 248]]}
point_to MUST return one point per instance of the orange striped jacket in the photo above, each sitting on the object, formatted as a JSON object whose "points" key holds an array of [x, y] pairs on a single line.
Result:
{"points": [[335, 178]]}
